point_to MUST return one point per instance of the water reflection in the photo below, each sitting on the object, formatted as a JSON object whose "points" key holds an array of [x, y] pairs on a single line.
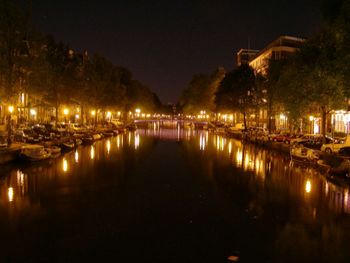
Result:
{"points": [[289, 202], [76, 156], [92, 152], [64, 165], [10, 194], [108, 146], [308, 186]]}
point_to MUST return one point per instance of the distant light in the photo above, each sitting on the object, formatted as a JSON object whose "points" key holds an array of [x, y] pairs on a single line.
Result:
{"points": [[119, 113], [11, 109], [137, 110], [32, 112], [77, 116], [311, 118], [109, 114], [93, 112], [65, 111]]}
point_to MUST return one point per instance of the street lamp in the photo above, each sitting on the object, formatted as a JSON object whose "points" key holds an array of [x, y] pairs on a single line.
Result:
{"points": [[10, 110], [311, 118], [65, 113], [93, 114]]}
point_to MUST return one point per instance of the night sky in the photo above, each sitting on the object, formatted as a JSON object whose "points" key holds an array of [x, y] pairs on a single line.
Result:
{"points": [[163, 43]]}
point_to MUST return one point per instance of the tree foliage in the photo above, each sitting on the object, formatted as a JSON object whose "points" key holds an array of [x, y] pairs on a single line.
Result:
{"points": [[200, 93]]}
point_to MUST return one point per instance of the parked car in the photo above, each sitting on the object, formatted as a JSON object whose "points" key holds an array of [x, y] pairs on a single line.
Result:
{"points": [[344, 152], [336, 145], [288, 138], [306, 138]]}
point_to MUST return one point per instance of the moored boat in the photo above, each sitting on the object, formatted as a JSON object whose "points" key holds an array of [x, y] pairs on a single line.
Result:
{"points": [[303, 154], [34, 153], [108, 134], [88, 140], [67, 146], [96, 136]]}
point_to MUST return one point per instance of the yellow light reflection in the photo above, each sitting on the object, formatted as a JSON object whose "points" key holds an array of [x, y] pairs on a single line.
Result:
{"points": [[229, 148], [65, 165], [202, 142], [137, 141], [92, 152], [10, 194], [239, 157], [20, 181], [118, 142], [76, 156], [108, 146], [308, 186]]}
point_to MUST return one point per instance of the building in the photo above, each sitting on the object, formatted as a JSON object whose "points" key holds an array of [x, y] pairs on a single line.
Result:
{"points": [[245, 55], [279, 49]]}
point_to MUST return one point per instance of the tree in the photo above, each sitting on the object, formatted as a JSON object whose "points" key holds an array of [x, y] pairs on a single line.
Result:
{"points": [[13, 46], [200, 93], [236, 91]]}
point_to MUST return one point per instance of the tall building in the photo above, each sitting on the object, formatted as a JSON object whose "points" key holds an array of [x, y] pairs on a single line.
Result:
{"points": [[281, 48], [245, 55]]}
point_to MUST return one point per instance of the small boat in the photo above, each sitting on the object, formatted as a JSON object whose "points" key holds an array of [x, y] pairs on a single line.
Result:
{"points": [[34, 153], [343, 168], [108, 134], [88, 140], [96, 136], [54, 149], [303, 154], [131, 127], [67, 146]]}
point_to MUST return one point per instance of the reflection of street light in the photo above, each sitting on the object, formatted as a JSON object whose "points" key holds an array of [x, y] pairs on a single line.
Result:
{"points": [[308, 186]]}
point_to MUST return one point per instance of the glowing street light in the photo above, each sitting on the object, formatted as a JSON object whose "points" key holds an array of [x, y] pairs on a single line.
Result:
{"points": [[33, 112], [311, 118], [9, 124], [11, 109], [109, 115], [138, 111], [66, 111], [93, 112]]}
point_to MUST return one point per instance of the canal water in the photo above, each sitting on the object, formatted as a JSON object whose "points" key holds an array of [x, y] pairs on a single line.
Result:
{"points": [[171, 195]]}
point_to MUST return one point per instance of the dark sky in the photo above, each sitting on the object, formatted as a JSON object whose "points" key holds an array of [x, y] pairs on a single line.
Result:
{"points": [[164, 43]]}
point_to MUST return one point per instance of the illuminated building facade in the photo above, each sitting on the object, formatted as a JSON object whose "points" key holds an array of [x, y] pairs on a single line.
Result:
{"points": [[279, 49], [245, 55]]}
